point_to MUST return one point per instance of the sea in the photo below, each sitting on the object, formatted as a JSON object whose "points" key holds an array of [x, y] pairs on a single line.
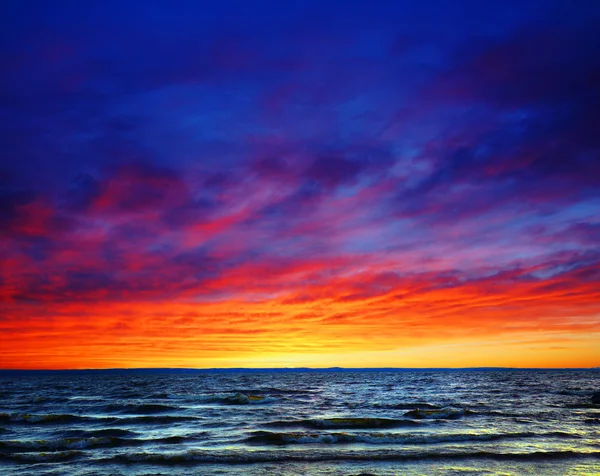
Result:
{"points": [[334, 422]]}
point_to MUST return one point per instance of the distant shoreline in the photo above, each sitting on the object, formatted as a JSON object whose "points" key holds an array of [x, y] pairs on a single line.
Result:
{"points": [[188, 371]]}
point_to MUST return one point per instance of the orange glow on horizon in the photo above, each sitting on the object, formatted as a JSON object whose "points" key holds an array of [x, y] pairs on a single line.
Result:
{"points": [[409, 326]]}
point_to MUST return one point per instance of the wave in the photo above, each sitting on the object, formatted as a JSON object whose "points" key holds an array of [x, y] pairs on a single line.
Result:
{"points": [[42, 399], [141, 409], [127, 394], [250, 457], [233, 397], [281, 438], [504, 414], [410, 406], [63, 418], [272, 391], [576, 392], [444, 413], [154, 419], [115, 432], [171, 440], [40, 419], [237, 398], [159, 396], [59, 444], [359, 423], [344, 423], [54, 457], [80, 443], [576, 405]]}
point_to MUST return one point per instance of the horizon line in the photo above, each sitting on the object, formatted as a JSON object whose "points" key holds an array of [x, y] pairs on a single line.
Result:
{"points": [[285, 369]]}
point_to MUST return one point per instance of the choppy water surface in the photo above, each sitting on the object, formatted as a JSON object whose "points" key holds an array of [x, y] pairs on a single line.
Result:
{"points": [[421, 422]]}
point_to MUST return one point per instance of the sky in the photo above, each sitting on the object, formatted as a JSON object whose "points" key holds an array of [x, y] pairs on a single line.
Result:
{"points": [[301, 183]]}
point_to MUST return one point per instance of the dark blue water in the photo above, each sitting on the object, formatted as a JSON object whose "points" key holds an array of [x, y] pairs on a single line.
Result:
{"points": [[421, 422]]}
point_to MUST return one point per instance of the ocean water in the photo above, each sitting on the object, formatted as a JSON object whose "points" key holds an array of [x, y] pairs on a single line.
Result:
{"points": [[296, 423]]}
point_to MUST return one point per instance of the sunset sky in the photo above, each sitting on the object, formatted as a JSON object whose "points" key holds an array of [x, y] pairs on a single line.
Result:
{"points": [[314, 183]]}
